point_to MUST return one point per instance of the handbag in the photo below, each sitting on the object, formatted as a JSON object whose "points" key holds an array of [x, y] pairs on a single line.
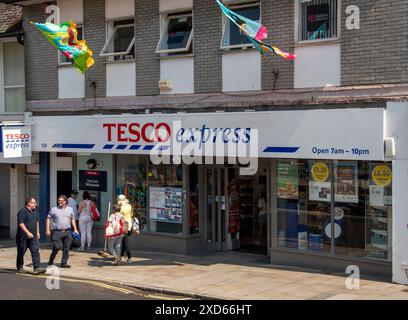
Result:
{"points": [[114, 228], [95, 212]]}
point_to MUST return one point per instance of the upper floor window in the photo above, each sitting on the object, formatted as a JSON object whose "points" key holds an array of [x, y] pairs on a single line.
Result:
{"points": [[177, 34], [232, 36], [318, 20], [64, 59], [121, 40], [12, 79]]}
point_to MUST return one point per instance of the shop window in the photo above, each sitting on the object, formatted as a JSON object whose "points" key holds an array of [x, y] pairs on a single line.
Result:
{"points": [[165, 196], [304, 199], [318, 19], [338, 207], [177, 34], [64, 59], [132, 182], [194, 200], [232, 36], [12, 82], [121, 40]]}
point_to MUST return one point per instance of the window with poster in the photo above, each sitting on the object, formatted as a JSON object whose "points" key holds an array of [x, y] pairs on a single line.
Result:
{"points": [[335, 207], [132, 182], [318, 19], [165, 194]]}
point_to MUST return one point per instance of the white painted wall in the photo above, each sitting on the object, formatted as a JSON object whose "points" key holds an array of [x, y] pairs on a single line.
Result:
{"points": [[17, 195], [71, 83], [397, 127], [181, 73], [172, 5], [71, 9], [121, 79], [318, 66], [119, 9], [241, 71]]}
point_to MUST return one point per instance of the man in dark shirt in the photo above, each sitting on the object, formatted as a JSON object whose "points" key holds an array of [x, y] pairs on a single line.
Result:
{"points": [[28, 236]]}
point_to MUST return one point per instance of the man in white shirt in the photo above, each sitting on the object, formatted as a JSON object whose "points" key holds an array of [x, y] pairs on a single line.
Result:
{"points": [[72, 202]]}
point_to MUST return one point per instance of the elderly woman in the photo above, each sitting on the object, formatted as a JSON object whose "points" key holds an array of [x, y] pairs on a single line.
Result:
{"points": [[127, 213]]}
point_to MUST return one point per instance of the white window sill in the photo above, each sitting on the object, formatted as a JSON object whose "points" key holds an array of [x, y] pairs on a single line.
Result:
{"points": [[226, 50], [19, 113], [120, 61], [307, 43], [177, 56], [65, 65]]}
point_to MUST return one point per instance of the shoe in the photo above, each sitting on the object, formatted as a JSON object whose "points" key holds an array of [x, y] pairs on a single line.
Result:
{"points": [[129, 261], [66, 266], [81, 249], [21, 270], [39, 271], [50, 264]]}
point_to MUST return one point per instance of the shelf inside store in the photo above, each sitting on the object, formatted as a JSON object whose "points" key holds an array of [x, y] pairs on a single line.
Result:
{"points": [[381, 232], [380, 246]]}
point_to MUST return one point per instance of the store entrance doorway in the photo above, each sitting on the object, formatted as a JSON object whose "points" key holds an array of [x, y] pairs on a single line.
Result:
{"points": [[237, 209], [248, 210], [64, 183], [215, 182]]}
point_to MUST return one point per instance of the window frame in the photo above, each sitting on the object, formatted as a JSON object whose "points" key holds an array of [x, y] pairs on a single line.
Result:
{"points": [[2, 86], [316, 41], [226, 20], [60, 55], [110, 33], [165, 20]]}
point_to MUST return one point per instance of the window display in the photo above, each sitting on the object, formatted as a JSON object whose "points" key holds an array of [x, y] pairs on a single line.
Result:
{"points": [[379, 209], [132, 182], [165, 198], [194, 200], [343, 207], [318, 19]]}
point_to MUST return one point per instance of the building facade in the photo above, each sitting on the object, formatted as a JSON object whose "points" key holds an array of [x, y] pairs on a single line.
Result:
{"points": [[19, 176], [321, 178]]}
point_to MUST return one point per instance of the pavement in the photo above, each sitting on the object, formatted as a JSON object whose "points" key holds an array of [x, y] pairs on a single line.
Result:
{"points": [[229, 275]]}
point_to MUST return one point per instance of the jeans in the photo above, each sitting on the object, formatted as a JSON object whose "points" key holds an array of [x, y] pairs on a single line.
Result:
{"points": [[125, 245], [22, 246], [115, 246], [85, 227], [62, 240]]}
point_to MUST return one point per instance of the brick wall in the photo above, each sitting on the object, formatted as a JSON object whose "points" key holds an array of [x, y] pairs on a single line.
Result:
{"points": [[378, 52], [95, 36], [147, 34], [41, 58], [278, 18], [207, 54]]}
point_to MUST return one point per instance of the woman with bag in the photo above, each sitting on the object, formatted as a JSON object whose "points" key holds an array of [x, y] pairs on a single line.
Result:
{"points": [[86, 221], [114, 233], [127, 213]]}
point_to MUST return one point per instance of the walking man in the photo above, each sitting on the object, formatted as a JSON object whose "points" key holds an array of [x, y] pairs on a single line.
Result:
{"points": [[59, 223], [28, 236]]}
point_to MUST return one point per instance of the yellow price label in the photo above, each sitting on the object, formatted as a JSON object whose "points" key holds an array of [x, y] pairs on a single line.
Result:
{"points": [[382, 175], [320, 172]]}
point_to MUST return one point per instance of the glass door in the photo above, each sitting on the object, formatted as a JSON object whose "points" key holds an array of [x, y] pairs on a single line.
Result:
{"points": [[216, 207]]}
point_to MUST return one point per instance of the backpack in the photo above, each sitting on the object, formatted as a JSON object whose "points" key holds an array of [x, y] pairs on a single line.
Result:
{"points": [[95, 212]]}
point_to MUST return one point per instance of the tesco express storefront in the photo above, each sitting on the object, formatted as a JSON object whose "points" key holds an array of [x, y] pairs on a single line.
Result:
{"points": [[317, 188]]}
